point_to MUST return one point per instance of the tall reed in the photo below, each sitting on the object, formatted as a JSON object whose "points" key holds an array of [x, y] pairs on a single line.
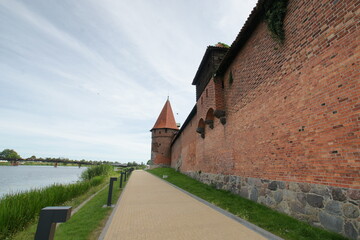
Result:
{"points": [[98, 170], [17, 210]]}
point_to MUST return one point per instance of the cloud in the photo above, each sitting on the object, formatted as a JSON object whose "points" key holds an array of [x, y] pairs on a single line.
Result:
{"points": [[88, 79]]}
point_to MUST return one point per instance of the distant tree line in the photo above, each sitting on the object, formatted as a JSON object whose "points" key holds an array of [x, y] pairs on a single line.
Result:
{"points": [[135, 164], [10, 154]]}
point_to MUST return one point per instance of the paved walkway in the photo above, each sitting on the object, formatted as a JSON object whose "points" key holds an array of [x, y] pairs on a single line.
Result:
{"points": [[151, 209]]}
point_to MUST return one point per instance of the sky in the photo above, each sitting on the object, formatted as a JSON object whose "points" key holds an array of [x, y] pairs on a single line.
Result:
{"points": [[87, 79]]}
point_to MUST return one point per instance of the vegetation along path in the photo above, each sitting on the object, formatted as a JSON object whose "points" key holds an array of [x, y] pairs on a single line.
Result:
{"points": [[150, 208], [275, 222]]}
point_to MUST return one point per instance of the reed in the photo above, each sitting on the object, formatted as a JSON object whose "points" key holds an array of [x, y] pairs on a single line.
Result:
{"points": [[19, 209], [98, 170]]}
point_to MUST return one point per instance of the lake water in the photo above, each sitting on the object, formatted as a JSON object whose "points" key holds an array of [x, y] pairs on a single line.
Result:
{"points": [[22, 178]]}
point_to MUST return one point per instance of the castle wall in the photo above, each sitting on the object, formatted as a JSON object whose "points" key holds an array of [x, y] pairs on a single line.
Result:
{"points": [[160, 150], [292, 117], [185, 146]]}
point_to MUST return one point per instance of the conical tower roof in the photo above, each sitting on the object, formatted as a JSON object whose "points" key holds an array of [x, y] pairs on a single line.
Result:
{"points": [[166, 118]]}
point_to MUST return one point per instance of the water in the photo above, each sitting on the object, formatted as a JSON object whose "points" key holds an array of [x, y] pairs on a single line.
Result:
{"points": [[21, 178]]}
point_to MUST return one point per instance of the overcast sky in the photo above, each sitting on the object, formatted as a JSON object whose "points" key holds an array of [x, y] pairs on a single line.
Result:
{"points": [[87, 79]]}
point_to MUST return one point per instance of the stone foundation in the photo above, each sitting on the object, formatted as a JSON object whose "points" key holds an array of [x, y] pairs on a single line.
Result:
{"points": [[332, 208]]}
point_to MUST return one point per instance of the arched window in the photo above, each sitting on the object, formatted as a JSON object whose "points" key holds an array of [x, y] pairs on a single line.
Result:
{"points": [[209, 120], [201, 128]]}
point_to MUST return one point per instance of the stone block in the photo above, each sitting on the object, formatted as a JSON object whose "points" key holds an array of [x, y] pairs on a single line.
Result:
{"points": [[283, 207], [313, 213], [254, 182], [254, 194], [262, 200], [333, 223], [350, 231], [350, 210], [334, 208], [296, 207], [338, 195], [320, 190], [244, 192], [294, 187], [273, 186], [262, 191], [268, 192], [278, 196], [315, 200], [233, 179], [354, 194], [269, 201], [289, 195], [265, 181], [304, 187], [301, 197], [281, 184]]}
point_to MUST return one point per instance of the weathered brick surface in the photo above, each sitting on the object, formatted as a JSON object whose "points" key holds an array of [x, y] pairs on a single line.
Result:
{"points": [[160, 148], [290, 137], [293, 110]]}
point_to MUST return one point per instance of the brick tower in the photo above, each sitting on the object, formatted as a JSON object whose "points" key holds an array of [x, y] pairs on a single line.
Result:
{"points": [[162, 135]]}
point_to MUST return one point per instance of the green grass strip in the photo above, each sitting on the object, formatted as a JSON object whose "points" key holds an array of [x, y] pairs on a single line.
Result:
{"points": [[89, 221], [29, 232], [275, 222], [18, 210]]}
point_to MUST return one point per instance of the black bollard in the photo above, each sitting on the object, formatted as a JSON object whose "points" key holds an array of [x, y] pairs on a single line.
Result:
{"points": [[121, 179], [125, 176], [49, 216], [112, 180]]}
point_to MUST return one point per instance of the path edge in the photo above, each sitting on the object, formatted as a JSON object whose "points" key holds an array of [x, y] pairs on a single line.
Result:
{"points": [[245, 223], [108, 222]]}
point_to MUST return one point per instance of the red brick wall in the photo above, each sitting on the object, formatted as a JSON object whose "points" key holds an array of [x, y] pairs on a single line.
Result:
{"points": [[183, 151], [160, 148], [293, 110]]}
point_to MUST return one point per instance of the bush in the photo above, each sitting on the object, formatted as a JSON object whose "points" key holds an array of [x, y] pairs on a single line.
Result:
{"points": [[98, 170]]}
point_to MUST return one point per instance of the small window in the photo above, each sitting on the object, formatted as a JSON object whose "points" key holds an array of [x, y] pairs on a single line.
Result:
{"points": [[159, 132], [231, 79], [165, 130]]}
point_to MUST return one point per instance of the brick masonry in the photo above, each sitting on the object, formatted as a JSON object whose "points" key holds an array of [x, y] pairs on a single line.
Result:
{"points": [[291, 119], [161, 140]]}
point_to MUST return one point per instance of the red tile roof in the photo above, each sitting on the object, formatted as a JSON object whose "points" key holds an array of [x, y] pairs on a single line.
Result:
{"points": [[166, 118]]}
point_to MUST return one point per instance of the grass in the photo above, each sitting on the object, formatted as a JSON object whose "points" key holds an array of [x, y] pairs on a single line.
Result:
{"points": [[275, 222], [29, 231], [89, 221], [18, 210], [99, 170]]}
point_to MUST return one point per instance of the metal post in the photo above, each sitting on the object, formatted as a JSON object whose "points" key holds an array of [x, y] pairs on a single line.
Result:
{"points": [[121, 179], [49, 216], [112, 180], [125, 176]]}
